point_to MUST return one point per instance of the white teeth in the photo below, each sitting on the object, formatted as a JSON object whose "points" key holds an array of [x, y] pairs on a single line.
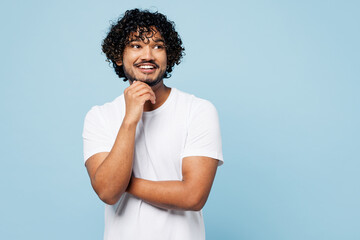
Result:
{"points": [[146, 66]]}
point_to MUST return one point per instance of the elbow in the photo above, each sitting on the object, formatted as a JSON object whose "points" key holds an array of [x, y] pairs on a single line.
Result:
{"points": [[196, 207], [195, 203], [108, 195], [108, 198]]}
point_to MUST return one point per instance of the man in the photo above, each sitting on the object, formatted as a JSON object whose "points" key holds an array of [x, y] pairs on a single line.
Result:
{"points": [[152, 153]]}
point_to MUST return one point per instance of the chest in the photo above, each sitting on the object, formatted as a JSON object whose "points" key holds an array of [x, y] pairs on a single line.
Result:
{"points": [[159, 142]]}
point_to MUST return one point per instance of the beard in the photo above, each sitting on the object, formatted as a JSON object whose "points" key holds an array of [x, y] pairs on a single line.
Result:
{"points": [[149, 82]]}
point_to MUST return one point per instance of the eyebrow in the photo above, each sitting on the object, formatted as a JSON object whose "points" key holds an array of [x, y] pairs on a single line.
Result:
{"points": [[139, 40], [159, 40], [135, 40]]}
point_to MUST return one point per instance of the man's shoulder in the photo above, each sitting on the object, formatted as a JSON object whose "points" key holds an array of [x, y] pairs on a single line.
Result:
{"points": [[197, 104], [195, 101], [108, 108]]}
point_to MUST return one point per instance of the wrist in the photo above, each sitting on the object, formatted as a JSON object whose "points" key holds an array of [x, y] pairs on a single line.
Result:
{"points": [[129, 123], [129, 188]]}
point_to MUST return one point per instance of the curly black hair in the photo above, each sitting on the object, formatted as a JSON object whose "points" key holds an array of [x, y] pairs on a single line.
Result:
{"points": [[142, 22]]}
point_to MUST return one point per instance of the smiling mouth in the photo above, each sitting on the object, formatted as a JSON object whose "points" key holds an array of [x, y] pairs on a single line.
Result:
{"points": [[146, 65], [147, 68]]}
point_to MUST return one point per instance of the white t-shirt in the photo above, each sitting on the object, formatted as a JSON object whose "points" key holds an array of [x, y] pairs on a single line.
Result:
{"points": [[183, 126]]}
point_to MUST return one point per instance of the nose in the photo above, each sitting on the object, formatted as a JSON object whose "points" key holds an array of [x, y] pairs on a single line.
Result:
{"points": [[147, 54]]}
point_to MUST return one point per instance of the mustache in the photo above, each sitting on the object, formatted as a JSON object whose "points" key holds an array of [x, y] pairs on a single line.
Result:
{"points": [[144, 62]]}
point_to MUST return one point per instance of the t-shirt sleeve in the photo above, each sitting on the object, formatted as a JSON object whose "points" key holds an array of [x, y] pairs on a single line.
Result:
{"points": [[204, 137], [95, 134]]}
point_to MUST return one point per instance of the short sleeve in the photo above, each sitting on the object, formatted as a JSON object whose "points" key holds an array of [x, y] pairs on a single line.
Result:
{"points": [[96, 136], [204, 137]]}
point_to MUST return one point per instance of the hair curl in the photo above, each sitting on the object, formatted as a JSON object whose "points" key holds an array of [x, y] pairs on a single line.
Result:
{"points": [[142, 22]]}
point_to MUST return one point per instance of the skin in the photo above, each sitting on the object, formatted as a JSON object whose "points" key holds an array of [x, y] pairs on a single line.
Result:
{"points": [[111, 172]]}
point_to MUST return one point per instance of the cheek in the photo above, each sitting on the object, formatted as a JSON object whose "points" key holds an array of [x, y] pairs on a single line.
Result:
{"points": [[164, 60], [129, 56]]}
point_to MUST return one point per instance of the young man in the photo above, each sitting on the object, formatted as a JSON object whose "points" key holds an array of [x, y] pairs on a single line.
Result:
{"points": [[152, 153]]}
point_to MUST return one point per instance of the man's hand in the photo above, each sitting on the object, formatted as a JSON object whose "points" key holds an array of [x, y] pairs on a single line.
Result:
{"points": [[135, 97]]}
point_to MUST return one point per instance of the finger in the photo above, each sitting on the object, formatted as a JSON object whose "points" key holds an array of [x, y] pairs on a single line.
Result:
{"points": [[144, 91], [137, 85], [141, 92], [133, 89], [132, 86], [143, 87], [137, 88], [148, 87], [147, 97]]}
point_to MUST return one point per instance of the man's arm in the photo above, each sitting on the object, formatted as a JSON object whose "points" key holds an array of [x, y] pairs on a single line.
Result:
{"points": [[189, 194], [110, 172]]}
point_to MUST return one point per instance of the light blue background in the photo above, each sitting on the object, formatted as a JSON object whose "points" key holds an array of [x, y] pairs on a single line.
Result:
{"points": [[284, 76]]}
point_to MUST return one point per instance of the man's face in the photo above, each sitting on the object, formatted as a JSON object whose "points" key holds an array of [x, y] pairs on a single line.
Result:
{"points": [[145, 60]]}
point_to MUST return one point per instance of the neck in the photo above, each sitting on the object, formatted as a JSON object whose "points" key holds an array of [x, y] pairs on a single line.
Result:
{"points": [[162, 92]]}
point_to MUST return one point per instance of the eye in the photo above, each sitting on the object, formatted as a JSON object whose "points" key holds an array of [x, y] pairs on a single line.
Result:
{"points": [[158, 46], [135, 46]]}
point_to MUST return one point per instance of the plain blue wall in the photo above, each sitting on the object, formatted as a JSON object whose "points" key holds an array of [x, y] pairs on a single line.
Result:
{"points": [[284, 76]]}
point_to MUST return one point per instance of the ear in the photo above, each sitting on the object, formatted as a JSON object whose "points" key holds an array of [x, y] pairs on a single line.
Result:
{"points": [[119, 63]]}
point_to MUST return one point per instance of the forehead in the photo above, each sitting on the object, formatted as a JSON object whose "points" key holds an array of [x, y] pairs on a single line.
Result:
{"points": [[145, 34]]}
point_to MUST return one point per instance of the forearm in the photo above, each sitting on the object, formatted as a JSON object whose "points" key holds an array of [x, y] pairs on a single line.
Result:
{"points": [[112, 176], [189, 194], [110, 172], [177, 195]]}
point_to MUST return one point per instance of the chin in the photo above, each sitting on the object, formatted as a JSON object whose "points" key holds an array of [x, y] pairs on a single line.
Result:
{"points": [[153, 83]]}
